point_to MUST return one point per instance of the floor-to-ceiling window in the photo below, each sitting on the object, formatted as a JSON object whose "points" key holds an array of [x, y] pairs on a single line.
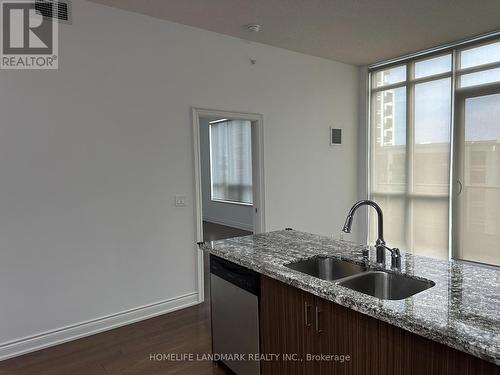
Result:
{"points": [[422, 110]]}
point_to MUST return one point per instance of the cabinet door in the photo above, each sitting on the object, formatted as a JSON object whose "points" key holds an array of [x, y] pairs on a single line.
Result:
{"points": [[286, 327], [338, 347]]}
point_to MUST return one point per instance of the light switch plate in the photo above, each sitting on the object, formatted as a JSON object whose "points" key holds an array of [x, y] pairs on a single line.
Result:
{"points": [[180, 200]]}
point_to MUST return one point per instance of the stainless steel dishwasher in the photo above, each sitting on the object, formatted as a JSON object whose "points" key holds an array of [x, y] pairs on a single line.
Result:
{"points": [[235, 314]]}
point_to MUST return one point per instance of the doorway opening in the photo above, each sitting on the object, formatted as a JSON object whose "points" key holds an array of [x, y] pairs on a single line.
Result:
{"points": [[229, 178]]}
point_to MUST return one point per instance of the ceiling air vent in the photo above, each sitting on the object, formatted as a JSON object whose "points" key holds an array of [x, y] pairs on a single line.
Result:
{"points": [[57, 9]]}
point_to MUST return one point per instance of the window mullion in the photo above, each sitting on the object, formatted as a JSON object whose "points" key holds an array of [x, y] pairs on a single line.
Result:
{"points": [[455, 61], [478, 68], [389, 87], [410, 136]]}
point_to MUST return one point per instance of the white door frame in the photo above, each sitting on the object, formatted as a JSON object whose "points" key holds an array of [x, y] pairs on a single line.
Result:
{"points": [[257, 170]]}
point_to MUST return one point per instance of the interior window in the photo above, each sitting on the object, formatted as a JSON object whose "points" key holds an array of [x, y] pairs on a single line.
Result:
{"points": [[231, 161]]}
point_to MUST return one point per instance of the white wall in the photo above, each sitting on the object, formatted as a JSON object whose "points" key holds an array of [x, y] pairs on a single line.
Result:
{"points": [[235, 215], [92, 155]]}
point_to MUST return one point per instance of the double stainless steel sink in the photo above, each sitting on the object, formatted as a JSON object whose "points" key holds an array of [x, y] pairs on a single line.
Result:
{"points": [[327, 268], [376, 283]]}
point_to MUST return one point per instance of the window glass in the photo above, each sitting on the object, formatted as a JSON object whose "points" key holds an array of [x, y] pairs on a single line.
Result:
{"points": [[432, 136], [480, 78], [394, 220], [389, 140], [231, 161], [430, 227], [485, 54], [436, 65], [389, 76]]}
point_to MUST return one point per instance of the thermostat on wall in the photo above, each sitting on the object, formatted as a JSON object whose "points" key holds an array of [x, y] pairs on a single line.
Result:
{"points": [[335, 136]]}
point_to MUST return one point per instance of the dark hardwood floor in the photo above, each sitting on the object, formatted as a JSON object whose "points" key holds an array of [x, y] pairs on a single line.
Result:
{"points": [[127, 350], [213, 232]]}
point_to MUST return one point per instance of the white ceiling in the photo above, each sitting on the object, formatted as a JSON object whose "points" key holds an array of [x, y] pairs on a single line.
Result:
{"points": [[352, 31]]}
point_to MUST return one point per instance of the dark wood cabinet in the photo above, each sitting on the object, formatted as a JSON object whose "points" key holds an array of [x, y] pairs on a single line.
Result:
{"points": [[286, 327], [301, 328]]}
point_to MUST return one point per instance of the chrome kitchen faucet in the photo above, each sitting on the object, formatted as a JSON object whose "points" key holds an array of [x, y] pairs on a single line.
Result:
{"points": [[380, 243]]}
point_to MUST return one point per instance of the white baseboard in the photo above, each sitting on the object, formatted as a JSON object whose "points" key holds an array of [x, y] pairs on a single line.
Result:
{"points": [[46, 339], [229, 223]]}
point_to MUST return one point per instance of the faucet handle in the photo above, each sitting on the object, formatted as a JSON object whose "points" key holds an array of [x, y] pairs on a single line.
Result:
{"points": [[365, 252], [395, 258]]}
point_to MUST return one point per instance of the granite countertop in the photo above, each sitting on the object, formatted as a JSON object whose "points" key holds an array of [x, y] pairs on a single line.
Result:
{"points": [[462, 310]]}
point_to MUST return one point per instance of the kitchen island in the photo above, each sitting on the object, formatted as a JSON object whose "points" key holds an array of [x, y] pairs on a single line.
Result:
{"points": [[452, 327]]}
